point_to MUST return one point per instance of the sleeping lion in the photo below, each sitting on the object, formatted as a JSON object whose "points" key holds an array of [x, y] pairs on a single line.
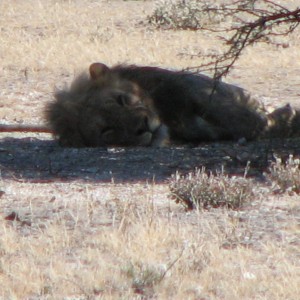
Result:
{"points": [[149, 106]]}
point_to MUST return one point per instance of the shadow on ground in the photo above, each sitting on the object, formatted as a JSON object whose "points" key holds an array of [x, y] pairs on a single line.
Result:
{"points": [[44, 160]]}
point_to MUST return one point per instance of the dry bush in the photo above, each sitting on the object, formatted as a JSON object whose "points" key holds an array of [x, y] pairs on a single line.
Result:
{"points": [[285, 177], [181, 14], [248, 23], [205, 190]]}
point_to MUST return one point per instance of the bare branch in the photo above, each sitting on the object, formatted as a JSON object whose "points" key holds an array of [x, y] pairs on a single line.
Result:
{"points": [[251, 25]]}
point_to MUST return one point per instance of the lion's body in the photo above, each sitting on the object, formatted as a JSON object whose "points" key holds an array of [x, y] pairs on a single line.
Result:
{"points": [[197, 108], [147, 106]]}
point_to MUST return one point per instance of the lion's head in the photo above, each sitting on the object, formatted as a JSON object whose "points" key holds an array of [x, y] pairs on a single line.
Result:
{"points": [[104, 110]]}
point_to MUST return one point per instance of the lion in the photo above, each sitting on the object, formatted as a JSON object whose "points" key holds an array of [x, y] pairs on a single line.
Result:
{"points": [[128, 105], [104, 109]]}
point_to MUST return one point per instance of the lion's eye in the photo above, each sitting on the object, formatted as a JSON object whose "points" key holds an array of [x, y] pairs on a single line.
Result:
{"points": [[108, 135], [106, 131], [122, 100]]}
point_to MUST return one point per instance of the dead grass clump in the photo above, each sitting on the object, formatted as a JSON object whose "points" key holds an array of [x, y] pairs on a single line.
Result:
{"points": [[181, 14], [143, 277], [285, 177], [205, 190]]}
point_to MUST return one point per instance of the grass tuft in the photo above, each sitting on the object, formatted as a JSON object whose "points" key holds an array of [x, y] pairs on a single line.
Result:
{"points": [[201, 189], [285, 177]]}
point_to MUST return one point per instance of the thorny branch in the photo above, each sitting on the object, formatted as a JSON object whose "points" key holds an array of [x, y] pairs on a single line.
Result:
{"points": [[252, 21]]}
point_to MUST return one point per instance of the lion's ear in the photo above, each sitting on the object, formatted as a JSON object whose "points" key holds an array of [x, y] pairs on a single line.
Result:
{"points": [[97, 70]]}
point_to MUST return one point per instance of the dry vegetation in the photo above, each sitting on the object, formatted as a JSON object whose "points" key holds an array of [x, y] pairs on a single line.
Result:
{"points": [[81, 240]]}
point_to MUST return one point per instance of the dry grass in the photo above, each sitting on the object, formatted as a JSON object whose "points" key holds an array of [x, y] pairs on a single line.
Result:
{"points": [[286, 176], [201, 189], [86, 240], [94, 240]]}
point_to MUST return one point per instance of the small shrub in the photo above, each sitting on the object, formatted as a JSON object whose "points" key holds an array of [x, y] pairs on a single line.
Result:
{"points": [[182, 14], [144, 278], [205, 190], [285, 177]]}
